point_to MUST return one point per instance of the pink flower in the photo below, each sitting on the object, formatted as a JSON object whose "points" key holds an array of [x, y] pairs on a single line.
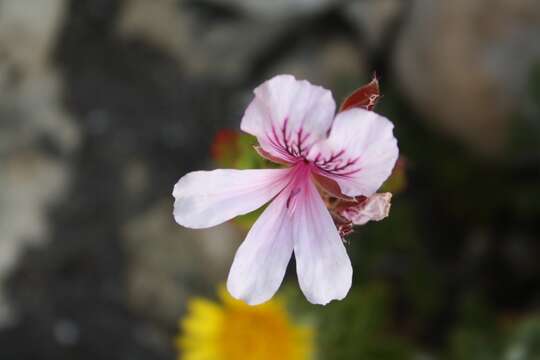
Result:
{"points": [[294, 123]]}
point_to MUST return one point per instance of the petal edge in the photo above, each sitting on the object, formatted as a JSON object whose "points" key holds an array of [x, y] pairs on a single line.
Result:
{"points": [[208, 198]]}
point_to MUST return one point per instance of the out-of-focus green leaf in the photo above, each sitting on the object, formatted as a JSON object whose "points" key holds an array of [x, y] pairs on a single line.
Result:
{"points": [[473, 344], [476, 335], [524, 130], [359, 327], [247, 156], [524, 342], [397, 182], [245, 222]]}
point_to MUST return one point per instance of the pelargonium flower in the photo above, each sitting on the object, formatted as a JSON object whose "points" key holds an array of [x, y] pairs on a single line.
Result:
{"points": [[348, 156]]}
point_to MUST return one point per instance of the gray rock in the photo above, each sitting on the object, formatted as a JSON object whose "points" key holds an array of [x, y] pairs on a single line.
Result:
{"points": [[28, 31], [223, 50], [464, 63], [167, 263], [373, 18], [32, 177], [30, 182], [335, 64], [276, 9]]}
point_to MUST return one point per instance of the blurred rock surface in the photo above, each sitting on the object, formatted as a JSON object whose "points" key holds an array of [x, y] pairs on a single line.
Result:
{"points": [[222, 47], [36, 133], [277, 9], [335, 64], [463, 64], [88, 149], [166, 264], [373, 19]]}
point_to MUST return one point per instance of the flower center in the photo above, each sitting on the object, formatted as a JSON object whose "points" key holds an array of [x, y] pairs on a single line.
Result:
{"points": [[295, 144], [337, 163]]}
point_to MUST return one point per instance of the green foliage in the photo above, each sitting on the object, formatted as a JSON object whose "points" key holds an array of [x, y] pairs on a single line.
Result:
{"points": [[524, 341], [246, 221], [358, 327], [486, 340], [525, 129], [397, 182], [247, 156], [476, 335]]}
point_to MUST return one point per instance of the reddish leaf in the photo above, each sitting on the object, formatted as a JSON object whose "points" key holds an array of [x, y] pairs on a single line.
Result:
{"points": [[365, 97], [224, 148]]}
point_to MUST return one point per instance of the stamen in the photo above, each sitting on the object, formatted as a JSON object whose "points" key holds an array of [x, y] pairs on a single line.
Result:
{"points": [[291, 203]]}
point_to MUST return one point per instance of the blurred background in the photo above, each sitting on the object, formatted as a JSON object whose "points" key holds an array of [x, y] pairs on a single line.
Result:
{"points": [[105, 104]]}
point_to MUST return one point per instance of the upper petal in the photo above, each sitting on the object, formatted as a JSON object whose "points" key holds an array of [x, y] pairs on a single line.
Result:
{"points": [[260, 262], [322, 264], [287, 116], [360, 152], [208, 198]]}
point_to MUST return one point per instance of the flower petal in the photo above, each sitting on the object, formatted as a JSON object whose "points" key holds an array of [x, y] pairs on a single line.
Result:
{"points": [[208, 198], [322, 264], [260, 262], [287, 116], [360, 152]]}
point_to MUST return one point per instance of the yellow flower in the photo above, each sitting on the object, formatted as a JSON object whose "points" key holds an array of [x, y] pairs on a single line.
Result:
{"points": [[232, 330]]}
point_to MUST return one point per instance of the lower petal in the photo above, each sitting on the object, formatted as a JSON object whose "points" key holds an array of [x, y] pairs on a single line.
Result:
{"points": [[207, 198], [260, 263], [322, 264]]}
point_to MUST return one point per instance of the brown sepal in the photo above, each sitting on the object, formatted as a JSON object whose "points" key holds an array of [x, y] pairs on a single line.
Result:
{"points": [[266, 155], [330, 187], [365, 97]]}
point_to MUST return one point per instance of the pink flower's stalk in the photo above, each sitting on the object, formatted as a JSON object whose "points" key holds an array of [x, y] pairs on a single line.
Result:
{"points": [[348, 156]]}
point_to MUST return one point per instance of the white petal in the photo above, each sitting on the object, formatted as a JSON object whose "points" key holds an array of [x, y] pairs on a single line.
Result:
{"points": [[260, 262], [366, 141], [287, 116], [322, 264], [208, 198]]}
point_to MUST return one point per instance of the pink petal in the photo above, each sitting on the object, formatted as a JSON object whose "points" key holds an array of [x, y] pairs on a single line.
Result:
{"points": [[260, 262], [287, 116], [362, 150], [322, 264], [208, 198]]}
